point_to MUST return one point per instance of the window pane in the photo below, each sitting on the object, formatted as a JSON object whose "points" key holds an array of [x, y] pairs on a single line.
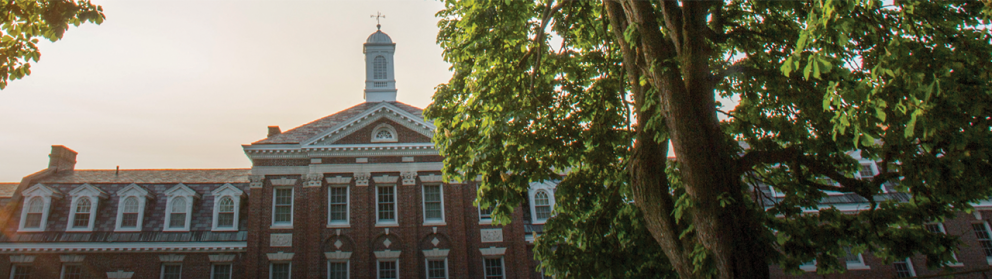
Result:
{"points": [[983, 238], [177, 220], [22, 272], [387, 270], [386, 199], [338, 270], [179, 205], [485, 213], [171, 271], [36, 205], [280, 271], [284, 205], [543, 212], [432, 202], [81, 220], [83, 205], [131, 205], [435, 269], [494, 268], [225, 220], [284, 196], [339, 204], [72, 272], [903, 269], [33, 220], [225, 205], [933, 228], [221, 271], [129, 220], [379, 67]]}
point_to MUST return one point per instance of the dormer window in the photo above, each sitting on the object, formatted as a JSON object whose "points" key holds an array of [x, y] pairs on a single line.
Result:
{"points": [[227, 201], [178, 207], [131, 209], [36, 209], [542, 206], [542, 201], [384, 133], [85, 201], [379, 67]]}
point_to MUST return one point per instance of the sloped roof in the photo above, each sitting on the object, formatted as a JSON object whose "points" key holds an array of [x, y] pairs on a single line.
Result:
{"points": [[309, 130], [151, 176], [7, 189]]}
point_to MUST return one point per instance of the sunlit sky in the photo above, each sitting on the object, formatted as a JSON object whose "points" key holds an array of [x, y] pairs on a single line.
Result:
{"points": [[183, 84]]}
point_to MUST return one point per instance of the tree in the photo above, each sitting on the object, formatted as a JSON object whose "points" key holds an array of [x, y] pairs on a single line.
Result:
{"points": [[26, 20], [906, 84]]}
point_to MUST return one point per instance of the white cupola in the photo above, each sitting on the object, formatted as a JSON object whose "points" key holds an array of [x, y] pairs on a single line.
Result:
{"points": [[380, 84]]}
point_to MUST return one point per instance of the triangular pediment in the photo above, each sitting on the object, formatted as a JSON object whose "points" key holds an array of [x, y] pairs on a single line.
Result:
{"points": [[227, 190], [87, 190], [40, 190], [347, 131], [134, 190], [181, 190]]}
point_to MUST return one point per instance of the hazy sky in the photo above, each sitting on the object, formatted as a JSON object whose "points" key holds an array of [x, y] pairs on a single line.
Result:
{"points": [[183, 84]]}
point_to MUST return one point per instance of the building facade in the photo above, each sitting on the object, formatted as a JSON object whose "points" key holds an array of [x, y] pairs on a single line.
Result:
{"points": [[356, 194]]}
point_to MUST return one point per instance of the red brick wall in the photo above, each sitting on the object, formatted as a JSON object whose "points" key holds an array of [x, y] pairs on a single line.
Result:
{"points": [[144, 265], [364, 135]]}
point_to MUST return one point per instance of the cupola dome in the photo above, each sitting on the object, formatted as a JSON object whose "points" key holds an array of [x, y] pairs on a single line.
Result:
{"points": [[379, 38]]}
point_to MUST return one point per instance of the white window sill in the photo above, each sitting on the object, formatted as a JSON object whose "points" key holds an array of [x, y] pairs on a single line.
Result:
{"points": [[281, 227], [127, 230], [176, 230], [31, 230], [486, 222], [387, 224], [858, 267], [955, 264], [808, 268], [79, 230], [339, 225], [435, 224], [224, 229]]}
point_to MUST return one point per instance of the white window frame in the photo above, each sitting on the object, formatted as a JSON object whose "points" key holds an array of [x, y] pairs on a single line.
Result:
{"points": [[64, 265], [423, 200], [226, 191], [347, 268], [549, 189], [427, 266], [378, 269], [502, 263], [956, 262], [180, 190], [808, 266], [988, 231], [347, 205], [14, 266], [74, 210], [94, 195], [289, 267], [388, 128], [396, 207], [909, 264], [212, 265], [142, 195], [486, 220], [46, 194], [861, 265], [292, 208], [161, 273]]}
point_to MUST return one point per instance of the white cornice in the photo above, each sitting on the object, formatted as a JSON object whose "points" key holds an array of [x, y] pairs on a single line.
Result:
{"points": [[385, 109], [91, 247]]}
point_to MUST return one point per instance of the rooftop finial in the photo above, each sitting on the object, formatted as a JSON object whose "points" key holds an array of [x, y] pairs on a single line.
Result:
{"points": [[377, 16]]}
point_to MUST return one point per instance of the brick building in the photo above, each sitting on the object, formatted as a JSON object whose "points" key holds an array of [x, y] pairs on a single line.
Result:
{"points": [[356, 194]]}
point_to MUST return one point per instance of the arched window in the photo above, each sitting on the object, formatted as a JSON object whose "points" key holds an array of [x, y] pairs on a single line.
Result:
{"points": [[379, 67], [225, 214], [542, 205], [130, 215], [177, 218], [383, 134], [82, 218], [35, 209]]}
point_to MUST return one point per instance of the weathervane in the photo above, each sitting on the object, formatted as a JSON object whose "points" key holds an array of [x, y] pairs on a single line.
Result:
{"points": [[377, 16]]}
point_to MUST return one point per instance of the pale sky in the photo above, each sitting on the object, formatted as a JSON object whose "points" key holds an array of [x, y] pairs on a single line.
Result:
{"points": [[183, 84]]}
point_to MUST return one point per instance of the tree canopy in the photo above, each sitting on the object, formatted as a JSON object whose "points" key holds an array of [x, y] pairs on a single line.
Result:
{"points": [[24, 21], [594, 93]]}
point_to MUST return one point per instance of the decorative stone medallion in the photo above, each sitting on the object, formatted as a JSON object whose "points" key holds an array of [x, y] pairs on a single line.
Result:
{"points": [[281, 240], [491, 235]]}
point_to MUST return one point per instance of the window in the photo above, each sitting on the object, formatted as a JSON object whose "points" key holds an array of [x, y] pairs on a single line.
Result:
{"points": [[904, 268], [337, 199], [437, 269], [20, 271], [72, 271], [129, 217], [485, 214], [386, 203], [36, 209], [81, 219], [542, 206], [177, 216], [939, 228], [279, 271], [379, 67], [220, 271], [337, 270], [225, 213], [494, 268], [388, 269], [854, 261], [172, 271], [982, 232], [227, 204], [283, 207], [866, 171], [384, 133], [433, 205]]}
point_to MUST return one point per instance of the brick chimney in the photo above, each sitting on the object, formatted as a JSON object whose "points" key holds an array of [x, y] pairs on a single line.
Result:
{"points": [[274, 130], [62, 159]]}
